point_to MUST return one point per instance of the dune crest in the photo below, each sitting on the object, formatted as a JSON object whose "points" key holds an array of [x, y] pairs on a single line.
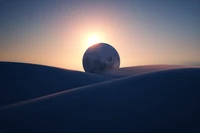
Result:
{"points": [[137, 70], [23, 81]]}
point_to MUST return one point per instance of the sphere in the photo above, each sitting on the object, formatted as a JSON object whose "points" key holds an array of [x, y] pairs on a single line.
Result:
{"points": [[100, 57]]}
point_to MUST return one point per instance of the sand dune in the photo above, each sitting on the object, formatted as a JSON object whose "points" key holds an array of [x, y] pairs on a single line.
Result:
{"points": [[162, 102], [137, 70], [21, 81]]}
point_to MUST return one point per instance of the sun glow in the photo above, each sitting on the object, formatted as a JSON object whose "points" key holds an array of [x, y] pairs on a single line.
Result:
{"points": [[93, 40]]}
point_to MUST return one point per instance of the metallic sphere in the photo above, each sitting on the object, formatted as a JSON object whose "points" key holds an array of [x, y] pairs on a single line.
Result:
{"points": [[100, 57]]}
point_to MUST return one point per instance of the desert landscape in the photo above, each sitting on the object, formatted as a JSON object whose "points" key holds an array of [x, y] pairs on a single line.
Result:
{"points": [[99, 66], [156, 98]]}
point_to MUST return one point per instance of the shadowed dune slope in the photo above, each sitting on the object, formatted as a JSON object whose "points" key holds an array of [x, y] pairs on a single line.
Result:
{"points": [[21, 81], [137, 70], [159, 102]]}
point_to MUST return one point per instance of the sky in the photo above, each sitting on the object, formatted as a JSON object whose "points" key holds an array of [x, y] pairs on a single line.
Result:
{"points": [[58, 32]]}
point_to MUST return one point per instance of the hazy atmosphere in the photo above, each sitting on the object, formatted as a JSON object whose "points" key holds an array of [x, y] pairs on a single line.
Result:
{"points": [[99, 66], [57, 32]]}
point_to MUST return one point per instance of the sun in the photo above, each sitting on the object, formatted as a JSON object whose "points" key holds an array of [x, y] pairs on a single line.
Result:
{"points": [[94, 39]]}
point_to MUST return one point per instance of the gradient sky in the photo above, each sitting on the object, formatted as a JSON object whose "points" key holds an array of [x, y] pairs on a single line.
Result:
{"points": [[55, 32]]}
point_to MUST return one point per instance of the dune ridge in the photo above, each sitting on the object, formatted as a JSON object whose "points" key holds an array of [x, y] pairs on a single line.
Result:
{"points": [[137, 70], [23, 81]]}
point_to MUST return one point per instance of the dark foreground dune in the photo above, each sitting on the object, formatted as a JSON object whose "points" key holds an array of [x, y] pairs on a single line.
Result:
{"points": [[22, 81], [160, 102]]}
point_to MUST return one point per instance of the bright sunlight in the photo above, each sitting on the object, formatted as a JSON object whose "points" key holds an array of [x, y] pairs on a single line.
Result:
{"points": [[94, 39]]}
